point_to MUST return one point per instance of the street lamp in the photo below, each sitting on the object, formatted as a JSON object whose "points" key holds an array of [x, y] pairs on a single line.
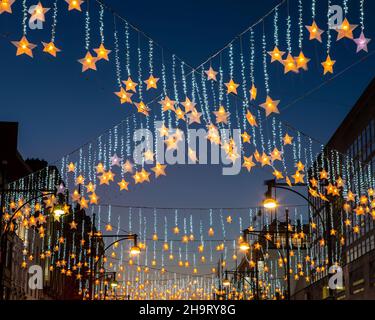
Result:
{"points": [[58, 211], [114, 284], [270, 203], [244, 246], [226, 282], [135, 250]]}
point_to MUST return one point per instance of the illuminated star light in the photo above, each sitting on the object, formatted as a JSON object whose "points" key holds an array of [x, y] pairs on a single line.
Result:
{"points": [[211, 74], [345, 30], [159, 170], [130, 85], [115, 160], [142, 108], [6, 6], [276, 55], [231, 87], [151, 82], [39, 13], [253, 92], [102, 52], [24, 47], [221, 115], [328, 65], [74, 4], [124, 96], [290, 64], [270, 106], [315, 32], [194, 116], [167, 104], [188, 105], [88, 62], [123, 185], [251, 119], [302, 61], [50, 48], [362, 43]]}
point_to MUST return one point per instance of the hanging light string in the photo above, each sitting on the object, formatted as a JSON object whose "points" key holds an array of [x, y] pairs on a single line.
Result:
{"points": [[54, 21], [101, 23], [313, 9], [362, 14], [275, 27], [265, 68], [288, 30], [300, 24], [329, 37], [127, 45], [117, 58], [87, 27], [150, 56], [345, 6], [24, 18]]}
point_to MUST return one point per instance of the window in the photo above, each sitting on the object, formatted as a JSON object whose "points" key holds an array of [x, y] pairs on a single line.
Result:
{"points": [[357, 281]]}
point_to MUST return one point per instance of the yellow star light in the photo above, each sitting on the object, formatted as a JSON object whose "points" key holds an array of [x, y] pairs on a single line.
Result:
{"points": [[278, 175], [188, 105], [276, 155], [71, 167], [88, 62], [74, 4], [300, 166], [151, 82], [231, 87], [142, 108], [302, 61], [276, 55], [80, 180], [180, 114], [163, 131], [298, 177], [265, 160], [315, 32], [130, 85], [290, 64], [24, 47], [270, 106], [253, 92], [103, 179], [211, 74], [73, 225], [123, 185], [6, 6], [229, 219], [323, 174], [345, 30], [194, 116], [145, 175], [251, 119], [127, 166], [102, 52], [167, 104], [90, 187], [314, 182], [83, 203], [93, 198], [245, 137], [50, 48], [39, 13], [328, 65], [248, 163], [124, 96], [221, 115], [287, 139], [159, 170]]}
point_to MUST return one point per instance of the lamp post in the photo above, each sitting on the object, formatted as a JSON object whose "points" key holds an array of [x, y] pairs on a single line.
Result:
{"points": [[134, 251], [270, 202], [4, 231]]}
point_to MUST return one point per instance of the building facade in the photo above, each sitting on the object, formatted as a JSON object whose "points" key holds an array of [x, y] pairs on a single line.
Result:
{"points": [[354, 143]]}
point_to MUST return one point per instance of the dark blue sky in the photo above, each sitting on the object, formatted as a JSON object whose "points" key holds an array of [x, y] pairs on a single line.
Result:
{"points": [[59, 108]]}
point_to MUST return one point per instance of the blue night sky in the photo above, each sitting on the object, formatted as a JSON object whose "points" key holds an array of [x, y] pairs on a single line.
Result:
{"points": [[59, 108]]}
